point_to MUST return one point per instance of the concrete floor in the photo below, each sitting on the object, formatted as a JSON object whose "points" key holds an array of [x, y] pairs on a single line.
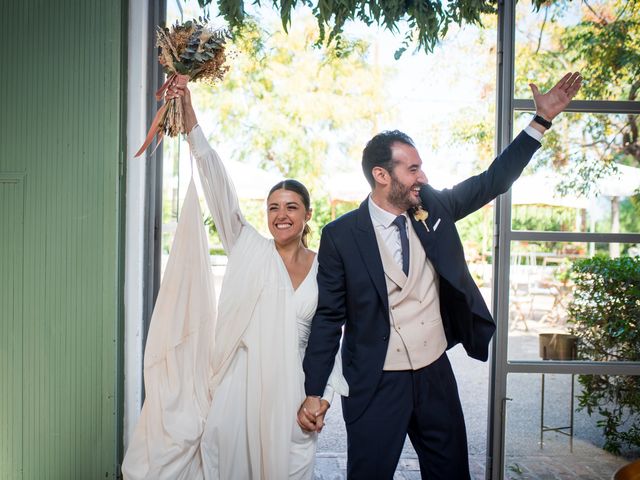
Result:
{"points": [[525, 457]]}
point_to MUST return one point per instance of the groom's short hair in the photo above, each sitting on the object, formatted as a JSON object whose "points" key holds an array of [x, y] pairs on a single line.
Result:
{"points": [[377, 152]]}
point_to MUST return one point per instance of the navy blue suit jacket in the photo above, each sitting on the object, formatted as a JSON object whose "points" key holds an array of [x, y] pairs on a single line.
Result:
{"points": [[353, 292]]}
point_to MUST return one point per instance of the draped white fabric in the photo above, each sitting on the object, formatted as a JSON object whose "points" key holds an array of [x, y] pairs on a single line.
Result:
{"points": [[166, 441]]}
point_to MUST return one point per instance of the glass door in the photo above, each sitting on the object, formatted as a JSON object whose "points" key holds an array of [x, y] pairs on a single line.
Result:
{"points": [[567, 270]]}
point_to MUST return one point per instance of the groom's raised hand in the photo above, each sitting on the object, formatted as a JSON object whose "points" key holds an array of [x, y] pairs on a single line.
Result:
{"points": [[551, 103]]}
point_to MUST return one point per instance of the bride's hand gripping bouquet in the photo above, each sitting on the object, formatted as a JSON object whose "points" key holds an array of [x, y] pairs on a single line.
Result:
{"points": [[188, 51]]}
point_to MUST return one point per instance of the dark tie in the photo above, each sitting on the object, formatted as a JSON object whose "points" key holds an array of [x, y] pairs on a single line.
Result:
{"points": [[401, 222]]}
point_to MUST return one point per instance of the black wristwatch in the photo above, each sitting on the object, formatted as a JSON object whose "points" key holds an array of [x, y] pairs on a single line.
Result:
{"points": [[542, 121]]}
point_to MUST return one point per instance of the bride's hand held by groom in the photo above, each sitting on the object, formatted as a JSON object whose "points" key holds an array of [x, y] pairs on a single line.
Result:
{"points": [[311, 414]]}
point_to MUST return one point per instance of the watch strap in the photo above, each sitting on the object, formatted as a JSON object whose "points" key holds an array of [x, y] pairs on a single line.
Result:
{"points": [[542, 121]]}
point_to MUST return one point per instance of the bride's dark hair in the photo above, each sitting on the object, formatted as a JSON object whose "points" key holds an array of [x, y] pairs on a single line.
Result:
{"points": [[300, 189]]}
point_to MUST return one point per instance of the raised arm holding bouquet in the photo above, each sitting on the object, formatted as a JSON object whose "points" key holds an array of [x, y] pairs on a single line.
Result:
{"points": [[188, 51]]}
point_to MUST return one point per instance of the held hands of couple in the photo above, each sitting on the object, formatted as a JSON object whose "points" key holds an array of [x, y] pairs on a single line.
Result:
{"points": [[311, 414], [550, 104]]}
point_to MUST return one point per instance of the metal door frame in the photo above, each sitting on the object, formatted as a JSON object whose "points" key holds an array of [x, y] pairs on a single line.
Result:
{"points": [[500, 366]]}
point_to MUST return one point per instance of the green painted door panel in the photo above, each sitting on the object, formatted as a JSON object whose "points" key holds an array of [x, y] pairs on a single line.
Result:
{"points": [[61, 129], [11, 264]]}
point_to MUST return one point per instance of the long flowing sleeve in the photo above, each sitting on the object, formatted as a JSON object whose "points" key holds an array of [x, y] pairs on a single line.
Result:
{"points": [[219, 191], [166, 442], [337, 382]]}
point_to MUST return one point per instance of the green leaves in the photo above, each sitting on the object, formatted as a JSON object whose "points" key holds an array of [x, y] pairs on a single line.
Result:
{"points": [[198, 51], [428, 20], [181, 68], [605, 315]]}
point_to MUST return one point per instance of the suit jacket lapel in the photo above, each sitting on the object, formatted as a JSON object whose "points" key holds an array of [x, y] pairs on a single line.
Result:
{"points": [[426, 238], [368, 246], [391, 268]]}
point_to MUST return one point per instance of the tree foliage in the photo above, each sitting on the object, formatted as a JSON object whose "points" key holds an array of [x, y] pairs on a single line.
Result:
{"points": [[294, 109], [601, 39], [425, 21], [604, 45], [605, 315]]}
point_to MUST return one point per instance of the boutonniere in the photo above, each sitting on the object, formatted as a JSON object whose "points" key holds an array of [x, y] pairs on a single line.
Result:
{"points": [[421, 215]]}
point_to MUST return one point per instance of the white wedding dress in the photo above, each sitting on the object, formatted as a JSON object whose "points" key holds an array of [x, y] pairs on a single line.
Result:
{"points": [[226, 441], [223, 389]]}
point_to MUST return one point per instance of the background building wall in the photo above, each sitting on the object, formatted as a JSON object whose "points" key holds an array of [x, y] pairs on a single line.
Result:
{"points": [[61, 165]]}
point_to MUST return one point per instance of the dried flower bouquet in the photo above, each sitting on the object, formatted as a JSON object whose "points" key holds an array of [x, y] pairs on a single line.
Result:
{"points": [[188, 51]]}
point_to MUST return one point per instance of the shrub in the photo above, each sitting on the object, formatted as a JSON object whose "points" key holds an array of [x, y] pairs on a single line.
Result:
{"points": [[605, 315]]}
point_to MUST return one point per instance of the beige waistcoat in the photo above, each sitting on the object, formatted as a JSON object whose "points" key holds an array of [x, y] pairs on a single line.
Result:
{"points": [[417, 336]]}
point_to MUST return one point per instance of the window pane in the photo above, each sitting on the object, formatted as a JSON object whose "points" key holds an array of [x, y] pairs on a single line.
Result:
{"points": [[537, 449], [599, 39], [587, 306], [585, 178]]}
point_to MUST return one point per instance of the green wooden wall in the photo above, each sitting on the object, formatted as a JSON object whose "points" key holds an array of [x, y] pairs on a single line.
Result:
{"points": [[61, 142]]}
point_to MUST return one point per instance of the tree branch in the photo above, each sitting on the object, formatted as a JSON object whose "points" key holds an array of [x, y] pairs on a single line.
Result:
{"points": [[622, 11], [631, 145], [544, 23], [603, 21]]}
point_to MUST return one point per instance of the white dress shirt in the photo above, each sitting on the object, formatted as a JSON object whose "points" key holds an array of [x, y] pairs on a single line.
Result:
{"points": [[388, 231]]}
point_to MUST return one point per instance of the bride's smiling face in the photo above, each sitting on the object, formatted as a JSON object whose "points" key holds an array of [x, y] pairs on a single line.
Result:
{"points": [[286, 216]]}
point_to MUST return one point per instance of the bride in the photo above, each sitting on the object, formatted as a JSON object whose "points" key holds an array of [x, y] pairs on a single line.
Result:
{"points": [[268, 298]]}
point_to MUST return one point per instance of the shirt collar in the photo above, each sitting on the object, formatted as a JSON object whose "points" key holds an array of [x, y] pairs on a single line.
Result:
{"points": [[379, 216]]}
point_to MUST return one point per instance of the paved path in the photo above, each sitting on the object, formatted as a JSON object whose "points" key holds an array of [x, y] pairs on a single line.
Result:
{"points": [[601, 467], [525, 459]]}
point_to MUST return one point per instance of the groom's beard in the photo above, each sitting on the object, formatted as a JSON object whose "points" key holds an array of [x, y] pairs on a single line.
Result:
{"points": [[401, 196]]}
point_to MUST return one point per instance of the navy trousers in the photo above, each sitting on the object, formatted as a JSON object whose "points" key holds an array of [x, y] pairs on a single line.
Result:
{"points": [[425, 405]]}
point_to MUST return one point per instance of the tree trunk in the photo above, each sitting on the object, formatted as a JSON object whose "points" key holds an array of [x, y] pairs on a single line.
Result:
{"points": [[614, 248]]}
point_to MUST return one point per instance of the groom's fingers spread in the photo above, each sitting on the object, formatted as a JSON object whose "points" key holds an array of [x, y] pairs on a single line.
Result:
{"points": [[563, 80], [572, 78], [576, 82]]}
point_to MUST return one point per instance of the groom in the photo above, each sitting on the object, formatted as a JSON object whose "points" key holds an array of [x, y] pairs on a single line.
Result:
{"points": [[393, 273]]}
